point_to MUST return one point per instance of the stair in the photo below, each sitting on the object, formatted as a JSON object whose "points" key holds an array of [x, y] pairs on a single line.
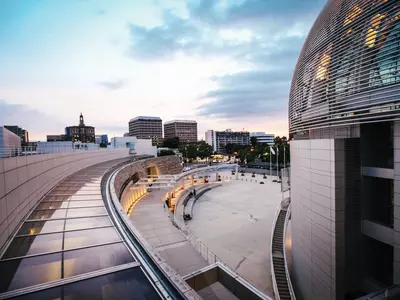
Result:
{"points": [[277, 257]]}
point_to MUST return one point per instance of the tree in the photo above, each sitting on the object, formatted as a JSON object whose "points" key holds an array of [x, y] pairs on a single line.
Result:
{"points": [[253, 141], [204, 150], [191, 152], [103, 145], [166, 152], [171, 143], [229, 148]]}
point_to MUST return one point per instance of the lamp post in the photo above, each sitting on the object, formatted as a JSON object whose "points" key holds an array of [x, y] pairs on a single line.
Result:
{"points": [[277, 162]]}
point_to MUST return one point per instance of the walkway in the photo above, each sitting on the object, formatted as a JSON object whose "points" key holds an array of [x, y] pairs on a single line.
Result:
{"points": [[235, 221], [150, 218]]}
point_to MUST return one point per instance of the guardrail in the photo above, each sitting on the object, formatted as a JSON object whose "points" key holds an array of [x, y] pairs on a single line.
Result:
{"points": [[289, 281], [274, 284], [6, 152]]}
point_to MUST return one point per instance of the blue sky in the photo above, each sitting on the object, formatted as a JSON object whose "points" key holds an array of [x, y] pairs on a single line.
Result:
{"points": [[227, 64]]}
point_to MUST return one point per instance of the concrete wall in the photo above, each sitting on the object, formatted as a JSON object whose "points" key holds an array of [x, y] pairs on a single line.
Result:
{"points": [[24, 180], [164, 165], [317, 197]]}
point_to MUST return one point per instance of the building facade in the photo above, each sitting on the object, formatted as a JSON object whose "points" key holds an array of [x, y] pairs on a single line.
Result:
{"points": [[344, 126], [263, 137], [146, 128], [22, 133], [56, 137], [10, 143], [135, 146], [80, 133], [185, 130], [101, 138], [219, 139]]}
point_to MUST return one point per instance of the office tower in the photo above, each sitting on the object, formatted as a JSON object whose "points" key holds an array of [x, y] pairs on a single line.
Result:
{"points": [[146, 128], [22, 133], [185, 130]]}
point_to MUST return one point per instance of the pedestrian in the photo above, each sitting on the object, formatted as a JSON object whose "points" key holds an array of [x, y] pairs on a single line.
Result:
{"points": [[194, 192]]}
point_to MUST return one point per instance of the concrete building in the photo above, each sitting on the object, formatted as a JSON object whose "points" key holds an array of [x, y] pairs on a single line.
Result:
{"points": [[80, 133], [136, 146], [263, 137], [344, 128], [22, 133], [9, 143], [146, 128], [185, 130], [219, 139]]}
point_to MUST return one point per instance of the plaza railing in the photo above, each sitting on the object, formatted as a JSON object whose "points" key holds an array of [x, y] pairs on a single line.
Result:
{"points": [[6, 152]]}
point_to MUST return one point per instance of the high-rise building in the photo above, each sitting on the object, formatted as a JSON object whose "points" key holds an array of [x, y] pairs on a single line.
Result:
{"points": [[219, 139], [344, 126], [146, 128], [263, 137], [185, 130], [80, 133], [22, 133]]}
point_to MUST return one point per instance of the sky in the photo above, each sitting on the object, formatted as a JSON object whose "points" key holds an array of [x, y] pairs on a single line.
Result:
{"points": [[225, 64]]}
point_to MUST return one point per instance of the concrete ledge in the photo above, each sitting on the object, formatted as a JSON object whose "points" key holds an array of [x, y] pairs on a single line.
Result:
{"points": [[188, 208]]}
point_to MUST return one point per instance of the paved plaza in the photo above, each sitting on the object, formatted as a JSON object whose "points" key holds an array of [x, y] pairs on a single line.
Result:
{"points": [[234, 221]]}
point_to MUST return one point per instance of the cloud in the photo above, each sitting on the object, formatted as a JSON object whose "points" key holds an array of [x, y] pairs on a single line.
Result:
{"points": [[264, 37], [32, 120], [248, 93], [113, 85]]}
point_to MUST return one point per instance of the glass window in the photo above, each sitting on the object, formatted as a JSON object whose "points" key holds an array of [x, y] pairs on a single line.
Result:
{"points": [[75, 204], [52, 205], [21, 246], [127, 284], [86, 212], [86, 197], [51, 198], [82, 238], [83, 223], [47, 214], [95, 258], [41, 227], [20, 273]]}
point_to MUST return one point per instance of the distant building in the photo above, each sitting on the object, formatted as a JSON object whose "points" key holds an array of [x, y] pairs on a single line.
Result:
{"points": [[185, 130], [263, 137], [219, 139], [22, 133], [56, 137], [146, 128], [209, 137], [80, 133], [126, 134], [135, 146], [10, 143], [101, 138]]}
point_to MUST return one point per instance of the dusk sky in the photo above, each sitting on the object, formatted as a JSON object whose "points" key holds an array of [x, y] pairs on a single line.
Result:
{"points": [[226, 64]]}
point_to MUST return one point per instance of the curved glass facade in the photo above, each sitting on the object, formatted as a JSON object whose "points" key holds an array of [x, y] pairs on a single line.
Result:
{"points": [[348, 71]]}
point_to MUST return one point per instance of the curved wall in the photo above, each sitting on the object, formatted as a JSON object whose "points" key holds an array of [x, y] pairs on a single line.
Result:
{"points": [[24, 180], [348, 71], [163, 165]]}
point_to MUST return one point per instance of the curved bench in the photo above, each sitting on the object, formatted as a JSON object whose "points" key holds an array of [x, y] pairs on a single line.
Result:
{"points": [[188, 208]]}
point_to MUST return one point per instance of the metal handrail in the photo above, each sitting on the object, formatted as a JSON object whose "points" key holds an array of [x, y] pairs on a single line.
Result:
{"points": [[289, 281], [274, 284], [6, 152]]}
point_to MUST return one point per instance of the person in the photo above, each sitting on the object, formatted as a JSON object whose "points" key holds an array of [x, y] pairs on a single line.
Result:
{"points": [[194, 192], [166, 204]]}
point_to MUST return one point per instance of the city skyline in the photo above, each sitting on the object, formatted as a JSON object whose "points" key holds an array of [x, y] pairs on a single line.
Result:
{"points": [[226, 66]]}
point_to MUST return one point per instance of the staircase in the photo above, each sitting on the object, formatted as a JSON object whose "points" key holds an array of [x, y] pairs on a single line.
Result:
{"points": [[278, 257]]}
